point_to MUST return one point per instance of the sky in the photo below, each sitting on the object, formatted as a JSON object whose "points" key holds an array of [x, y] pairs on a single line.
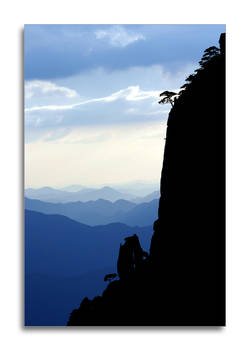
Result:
{"points": [[91, 99]]}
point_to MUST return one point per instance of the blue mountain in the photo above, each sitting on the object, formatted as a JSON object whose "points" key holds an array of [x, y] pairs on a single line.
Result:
{"points": [[65, 260], [84, 194], [100, 212], [52, 195], [75, 188], [143, 214]]}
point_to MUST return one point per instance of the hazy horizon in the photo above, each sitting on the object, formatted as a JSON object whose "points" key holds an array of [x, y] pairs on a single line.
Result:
{"points": [[138, 183]]}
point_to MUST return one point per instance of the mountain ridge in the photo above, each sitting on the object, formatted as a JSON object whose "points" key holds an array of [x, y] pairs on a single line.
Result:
{"points": [[51, 195], [100, 212]]}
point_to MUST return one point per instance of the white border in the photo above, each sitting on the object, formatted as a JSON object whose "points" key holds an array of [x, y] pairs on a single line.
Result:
{"points": [[13, 15]]}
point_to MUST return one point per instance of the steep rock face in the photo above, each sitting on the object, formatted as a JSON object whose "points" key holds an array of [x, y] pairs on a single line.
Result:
{"points": [[189, 233], [182, 280]]}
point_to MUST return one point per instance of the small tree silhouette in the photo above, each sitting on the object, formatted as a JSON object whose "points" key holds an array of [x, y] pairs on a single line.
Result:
{"points": [[168, 97], [209, 53]]}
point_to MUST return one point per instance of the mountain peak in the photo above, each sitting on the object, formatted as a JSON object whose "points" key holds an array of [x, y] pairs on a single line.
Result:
{"points": [[107, 188]]}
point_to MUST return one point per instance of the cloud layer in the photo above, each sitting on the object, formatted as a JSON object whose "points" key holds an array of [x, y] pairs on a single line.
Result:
{"points": [[118, 36], [131, 93], [59, 51], [97, 98], [36, 88]]}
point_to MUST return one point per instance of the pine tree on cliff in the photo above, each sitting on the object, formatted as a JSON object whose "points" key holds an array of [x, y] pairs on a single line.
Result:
{"points": [[168, 97]]}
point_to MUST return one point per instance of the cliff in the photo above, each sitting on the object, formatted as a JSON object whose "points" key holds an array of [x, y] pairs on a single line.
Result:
{"points": [[182, 282]]}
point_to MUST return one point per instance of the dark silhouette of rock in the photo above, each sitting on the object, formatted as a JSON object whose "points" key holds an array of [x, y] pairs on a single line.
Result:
{"points": [[130, 257], [182, 282], [109, 277]]}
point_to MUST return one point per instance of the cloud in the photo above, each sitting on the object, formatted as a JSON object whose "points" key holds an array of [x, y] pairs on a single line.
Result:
{"points": [[131, 93], [105, 98], [118, 36], [81, 48], [135, 111], [36, 88]]}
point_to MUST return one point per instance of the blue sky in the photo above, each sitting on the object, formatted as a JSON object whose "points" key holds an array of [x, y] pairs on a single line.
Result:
{"points": [[91, 92], [53, 51]]}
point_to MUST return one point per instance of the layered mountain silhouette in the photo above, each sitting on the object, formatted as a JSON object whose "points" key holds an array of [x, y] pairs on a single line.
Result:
{"points": [[137, 188], [49, 194], [64, 260], [148, 198], [74, 188], [100, 212], [182, 281]]}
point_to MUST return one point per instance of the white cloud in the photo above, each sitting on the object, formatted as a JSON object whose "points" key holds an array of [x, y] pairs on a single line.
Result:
{"points": [[36, 88], [118, 36], [131, 93], [151, 113], [104, 99]]}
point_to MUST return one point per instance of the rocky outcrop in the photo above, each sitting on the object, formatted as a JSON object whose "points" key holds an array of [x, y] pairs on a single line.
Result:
{"points": [[182, 282]]}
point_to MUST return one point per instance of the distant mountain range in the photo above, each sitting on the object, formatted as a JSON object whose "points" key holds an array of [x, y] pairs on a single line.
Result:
{"points": [[138, 188], [49, 194], [65, 260], [73, 188], [100, 212], [148, 198]]}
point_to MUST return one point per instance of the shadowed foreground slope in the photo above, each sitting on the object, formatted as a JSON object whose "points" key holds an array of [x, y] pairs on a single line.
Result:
{"points": [[66, 260], [182, 280]]}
